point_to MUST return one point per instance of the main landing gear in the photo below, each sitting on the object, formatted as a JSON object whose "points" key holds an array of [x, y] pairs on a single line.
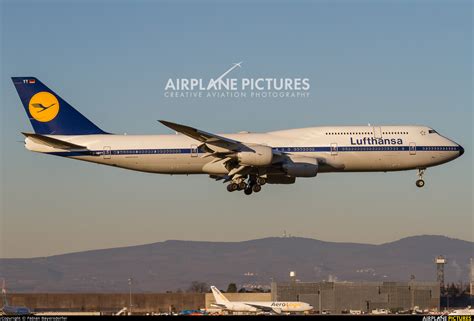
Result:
{"points": [[420, 182], [253, 185], [237, 186]]}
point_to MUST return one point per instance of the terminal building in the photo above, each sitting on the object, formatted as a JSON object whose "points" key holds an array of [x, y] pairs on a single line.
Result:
{"points": [[340, 297]]}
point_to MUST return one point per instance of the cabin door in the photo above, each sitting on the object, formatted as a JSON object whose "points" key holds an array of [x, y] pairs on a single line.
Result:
{"points": [[412, 148], [194, 151], [333, 149], [377, 132], [107, 152]]}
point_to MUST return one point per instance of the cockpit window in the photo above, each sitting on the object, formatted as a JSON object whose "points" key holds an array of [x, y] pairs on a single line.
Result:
{"points": [[432, 131]]}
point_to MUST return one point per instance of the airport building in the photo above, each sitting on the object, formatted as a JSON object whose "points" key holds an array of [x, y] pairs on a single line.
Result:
{"points": [[340, 297], [332, 297], [108, 303]]}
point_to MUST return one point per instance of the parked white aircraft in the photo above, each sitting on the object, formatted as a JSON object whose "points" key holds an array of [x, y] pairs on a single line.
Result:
{"points": [[245, 160], [255, 306]]}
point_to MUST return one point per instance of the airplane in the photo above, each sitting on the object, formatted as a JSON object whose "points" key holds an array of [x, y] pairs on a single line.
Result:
{"points": [[256, 306], [10, 309], [246, 161]]}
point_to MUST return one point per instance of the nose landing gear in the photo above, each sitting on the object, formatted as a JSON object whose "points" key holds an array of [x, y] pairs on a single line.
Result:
{"points": [[420, 182]]}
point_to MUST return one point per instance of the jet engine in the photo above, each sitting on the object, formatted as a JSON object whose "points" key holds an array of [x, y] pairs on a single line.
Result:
{"points": [[257, 155], [300, 166]]}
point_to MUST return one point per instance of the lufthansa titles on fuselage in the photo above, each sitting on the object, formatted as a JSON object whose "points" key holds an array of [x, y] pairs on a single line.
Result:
{"points": [[376, 141]]}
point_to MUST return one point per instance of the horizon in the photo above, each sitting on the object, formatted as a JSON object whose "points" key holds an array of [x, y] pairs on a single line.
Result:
{"points": [[241, 241], [171, 265]]}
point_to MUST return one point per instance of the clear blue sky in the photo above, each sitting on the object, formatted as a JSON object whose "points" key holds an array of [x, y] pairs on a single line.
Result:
{"points": [[378, 62]]}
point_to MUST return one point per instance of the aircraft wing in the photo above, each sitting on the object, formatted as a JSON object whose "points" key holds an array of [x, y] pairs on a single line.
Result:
{"points": [[224, 144], [53, 142], [226, 150]]}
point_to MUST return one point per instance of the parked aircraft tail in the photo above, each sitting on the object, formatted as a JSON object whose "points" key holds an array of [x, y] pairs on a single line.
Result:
{"points": [[218, 296]]}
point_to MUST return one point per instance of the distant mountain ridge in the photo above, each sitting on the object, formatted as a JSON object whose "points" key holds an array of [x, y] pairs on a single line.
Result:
{"points": [[174, 264]]}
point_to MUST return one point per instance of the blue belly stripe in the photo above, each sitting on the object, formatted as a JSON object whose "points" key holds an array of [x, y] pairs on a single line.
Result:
{"points": [[315, 149]]}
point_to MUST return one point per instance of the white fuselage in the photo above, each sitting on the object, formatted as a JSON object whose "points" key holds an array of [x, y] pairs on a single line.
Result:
{"points": [[345, 148], [257, 306]]}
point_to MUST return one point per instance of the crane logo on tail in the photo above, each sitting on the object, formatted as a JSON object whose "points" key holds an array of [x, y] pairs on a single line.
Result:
{"points": [[43, 106]]}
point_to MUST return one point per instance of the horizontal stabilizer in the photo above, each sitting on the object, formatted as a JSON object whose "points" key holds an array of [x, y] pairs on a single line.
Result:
{"points": [[53, 142]]}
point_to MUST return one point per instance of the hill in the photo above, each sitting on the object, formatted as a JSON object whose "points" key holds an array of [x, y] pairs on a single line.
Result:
{"points": [[173, 265]]}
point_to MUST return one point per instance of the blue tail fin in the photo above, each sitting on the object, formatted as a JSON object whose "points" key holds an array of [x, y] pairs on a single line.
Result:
{"points": [[50, 114]]}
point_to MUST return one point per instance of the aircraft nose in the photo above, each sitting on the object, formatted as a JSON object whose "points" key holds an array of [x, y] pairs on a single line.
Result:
{"points": [[461, 150]]}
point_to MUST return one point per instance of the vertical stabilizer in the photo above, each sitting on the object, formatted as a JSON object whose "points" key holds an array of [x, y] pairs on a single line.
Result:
{"points": [[218, 296], [49, 114]]}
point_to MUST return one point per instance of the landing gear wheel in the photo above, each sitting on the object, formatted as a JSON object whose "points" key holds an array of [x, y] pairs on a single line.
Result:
{"points": [[257, 188], [261, 181], [242, 185], [248, 191], [420, 183], [232, 187]]}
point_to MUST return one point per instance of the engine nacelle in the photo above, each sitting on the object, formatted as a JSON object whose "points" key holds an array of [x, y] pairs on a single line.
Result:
{"points": [[257, 156], [300, 166]]}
